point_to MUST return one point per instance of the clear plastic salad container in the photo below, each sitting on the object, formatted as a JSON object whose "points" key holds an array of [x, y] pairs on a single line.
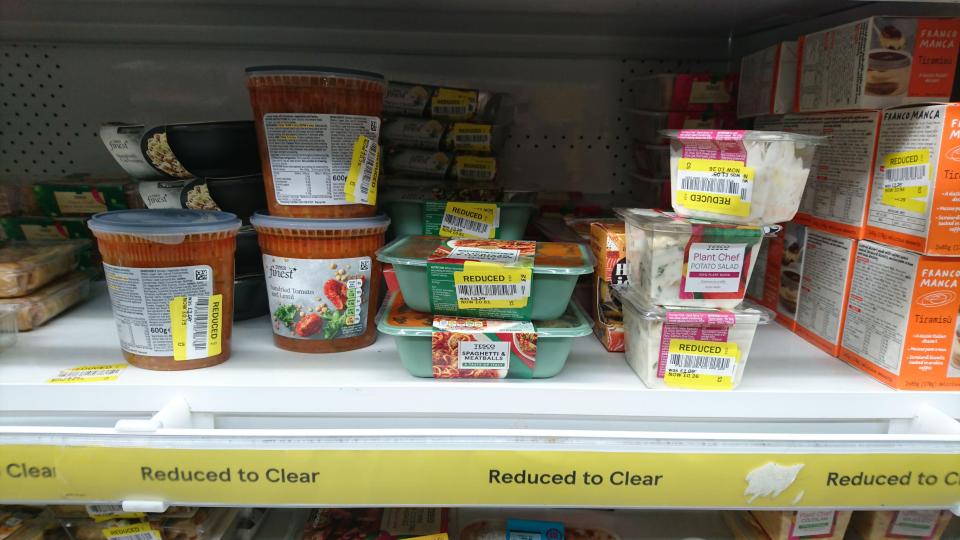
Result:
{"points": [[687, 348], [413, 331], [681, 262], [413, 217], [747, 177], [556, 268]]}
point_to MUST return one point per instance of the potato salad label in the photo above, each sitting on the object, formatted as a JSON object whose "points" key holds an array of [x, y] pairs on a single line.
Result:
{"points": [[714, 185], [695, 351], [141, 299], [483, 348], [482, 278], [906, 180], [701, 365], [318, 298], [311, 154]]}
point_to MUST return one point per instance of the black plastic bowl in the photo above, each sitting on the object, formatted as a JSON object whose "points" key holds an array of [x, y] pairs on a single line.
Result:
{"points": [[249, 259], [242, 195], [216, 149], [250, 297]]}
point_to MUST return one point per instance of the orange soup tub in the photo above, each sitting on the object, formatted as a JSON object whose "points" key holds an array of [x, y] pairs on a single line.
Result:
{"points": [[323, 278], [308, 120], [170, 277]]}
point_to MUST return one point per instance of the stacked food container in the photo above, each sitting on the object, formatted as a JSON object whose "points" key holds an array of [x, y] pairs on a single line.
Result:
{"points": [[673, 101], [688, 271], [442, 146], [470, 308]]}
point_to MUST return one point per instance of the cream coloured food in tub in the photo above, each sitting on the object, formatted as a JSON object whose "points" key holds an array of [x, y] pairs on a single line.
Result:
{"points": [[643, 345], [781, 167]]}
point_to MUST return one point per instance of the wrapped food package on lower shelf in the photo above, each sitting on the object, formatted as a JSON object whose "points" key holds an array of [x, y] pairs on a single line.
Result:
{"points": [[36, 309], [379, 523], [25, 267]]}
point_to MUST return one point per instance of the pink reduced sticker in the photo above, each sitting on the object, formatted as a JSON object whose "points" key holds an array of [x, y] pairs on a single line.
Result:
{"points": [[722, 144]]}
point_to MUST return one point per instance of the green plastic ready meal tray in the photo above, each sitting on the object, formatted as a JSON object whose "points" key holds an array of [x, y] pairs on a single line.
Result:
{"points": [[413, 332], [556, 267], [410, 217]]}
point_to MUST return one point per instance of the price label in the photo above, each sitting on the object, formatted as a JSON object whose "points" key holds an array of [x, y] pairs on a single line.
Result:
{"points": [[702, 365], [470, 220], [906, 180], [85, 374], [715, 185], [486, 285], [364, 173]]}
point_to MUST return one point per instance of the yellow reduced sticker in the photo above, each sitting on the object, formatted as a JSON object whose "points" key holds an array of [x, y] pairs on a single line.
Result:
{"points": [[475, 167], [441, 536], [701, 365], [456, 104], [361, 184], [85, 374], [137, 531], [906, 180], [196, 324], [718, 186], [490, 285], [472, 137], [470, 220]]}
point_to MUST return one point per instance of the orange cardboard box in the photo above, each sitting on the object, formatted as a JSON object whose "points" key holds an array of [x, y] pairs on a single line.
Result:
{"points": [[778, 270], [878, 62], [835, 198], [915, 198], [824, 288], [608, 243], [901, 320]]}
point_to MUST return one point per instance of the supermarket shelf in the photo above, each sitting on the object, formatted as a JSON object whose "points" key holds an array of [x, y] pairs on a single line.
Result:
{"points": [[786, 379], [370, 434]]}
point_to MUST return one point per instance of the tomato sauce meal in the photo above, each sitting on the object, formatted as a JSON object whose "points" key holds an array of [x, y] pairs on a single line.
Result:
{"points": [[170, 277], [307, 121], [322, 275]]}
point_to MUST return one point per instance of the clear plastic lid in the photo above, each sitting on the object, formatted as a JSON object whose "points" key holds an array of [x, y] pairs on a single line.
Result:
{"points": [[667, 222], [746, 134], [396, 319], [551, 258], [313, 70], [747, 312], [163, 221], [261, 220]]}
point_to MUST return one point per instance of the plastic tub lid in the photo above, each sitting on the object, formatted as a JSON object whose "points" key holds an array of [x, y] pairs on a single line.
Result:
{"points": [[748, 135], [260, 219], [573, 322], [414, 250], [163, 221], [748, 312], [255, 71], [668, 222]]}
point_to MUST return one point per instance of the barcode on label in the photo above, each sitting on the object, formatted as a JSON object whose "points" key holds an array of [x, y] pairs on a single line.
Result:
{"points": [[901, 174], [149, 535], [495, 291], [709, 184], [104, 509], [88, 374], [201, 312], [451, 110], [471, 137], [475, 174], [700, 363], [467, 225]]}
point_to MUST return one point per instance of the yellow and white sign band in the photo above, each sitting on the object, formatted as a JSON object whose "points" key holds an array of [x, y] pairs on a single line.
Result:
{"points": [[482, 477]]}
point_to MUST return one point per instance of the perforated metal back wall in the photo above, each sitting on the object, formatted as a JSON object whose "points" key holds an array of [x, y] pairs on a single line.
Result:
{"points": [[569, 133]]}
